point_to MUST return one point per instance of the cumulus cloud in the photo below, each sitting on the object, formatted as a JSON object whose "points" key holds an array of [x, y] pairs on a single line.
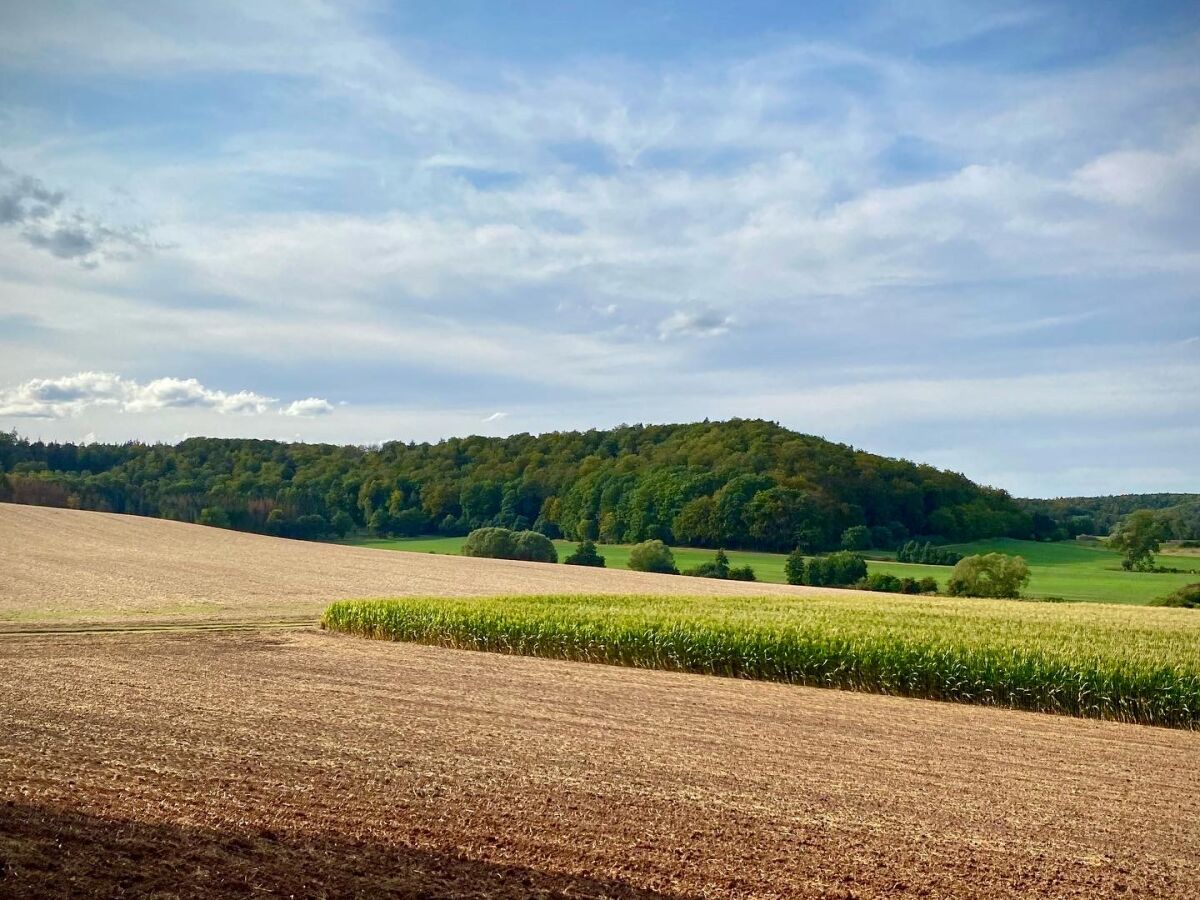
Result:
{"points": [[702, 323], [41, 218], [56, 398], [311, 406], [71, 395]]}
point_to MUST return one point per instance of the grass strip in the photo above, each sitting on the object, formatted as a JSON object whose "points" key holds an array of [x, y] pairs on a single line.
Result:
{"points": [[1130, 664]]}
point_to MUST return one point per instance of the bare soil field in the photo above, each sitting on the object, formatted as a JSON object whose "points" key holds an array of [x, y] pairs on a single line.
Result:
{"points": [[298, 763], [65, 566]]}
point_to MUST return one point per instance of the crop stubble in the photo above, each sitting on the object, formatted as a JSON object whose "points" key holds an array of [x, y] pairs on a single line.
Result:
{"points": [[298, 762], [66, 566]]}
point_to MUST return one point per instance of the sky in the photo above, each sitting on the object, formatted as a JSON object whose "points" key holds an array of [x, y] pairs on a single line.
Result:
{"points": [[966, 234]]}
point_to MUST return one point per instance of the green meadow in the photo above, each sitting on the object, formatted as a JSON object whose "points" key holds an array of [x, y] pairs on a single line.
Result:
{"points": [[1067, 570]]}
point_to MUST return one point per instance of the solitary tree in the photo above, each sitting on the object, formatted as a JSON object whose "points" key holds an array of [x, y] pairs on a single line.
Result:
{"points": [[721, 565], [1139, 537], [586, 555], [793, 569], [652, 556], [989, 575]]}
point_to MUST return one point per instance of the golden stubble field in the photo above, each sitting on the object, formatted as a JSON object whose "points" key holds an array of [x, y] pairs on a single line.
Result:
{"points": [[308, 764], [291, 762], [67, 567]]}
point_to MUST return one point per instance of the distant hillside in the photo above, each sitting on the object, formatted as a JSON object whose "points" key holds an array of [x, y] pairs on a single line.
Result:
{"points": [[1098, 515], [741, 483]]}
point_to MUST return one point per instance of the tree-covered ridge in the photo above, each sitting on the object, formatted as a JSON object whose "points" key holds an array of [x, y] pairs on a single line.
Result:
{"points": [[739, 483]]}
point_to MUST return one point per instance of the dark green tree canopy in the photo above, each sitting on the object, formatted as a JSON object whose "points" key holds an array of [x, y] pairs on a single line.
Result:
{"points": [[741, 484]]}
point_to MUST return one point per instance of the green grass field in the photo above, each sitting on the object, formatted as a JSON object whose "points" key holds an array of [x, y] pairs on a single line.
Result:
{"points": [[1129, 664], [1069, 570]]}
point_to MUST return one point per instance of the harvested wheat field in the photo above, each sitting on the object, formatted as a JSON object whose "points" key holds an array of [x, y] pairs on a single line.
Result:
{"points": [[66, 566], [212, 756], [299, 763]]}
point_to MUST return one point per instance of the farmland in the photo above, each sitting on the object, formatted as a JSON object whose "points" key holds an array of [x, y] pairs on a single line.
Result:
{"points": [[1070, 570], [1136, 665], [193, 729], [66, 567], [308, 764]]}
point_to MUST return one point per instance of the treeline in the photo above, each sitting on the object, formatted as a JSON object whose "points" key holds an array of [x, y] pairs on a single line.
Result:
{"points": [[1063, 518], [744, 484], [1180, 522]]}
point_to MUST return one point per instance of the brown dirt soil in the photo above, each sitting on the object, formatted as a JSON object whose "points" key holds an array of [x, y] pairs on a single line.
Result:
{"points": [[63, 566], [297, 763]]}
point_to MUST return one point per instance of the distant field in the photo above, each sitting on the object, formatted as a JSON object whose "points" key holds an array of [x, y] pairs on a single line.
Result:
{"points": [[66, 567], [1069, 570], [1134, 665]]}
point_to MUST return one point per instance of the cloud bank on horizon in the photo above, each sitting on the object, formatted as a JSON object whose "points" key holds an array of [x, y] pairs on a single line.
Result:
{"points": [[966, 235]]}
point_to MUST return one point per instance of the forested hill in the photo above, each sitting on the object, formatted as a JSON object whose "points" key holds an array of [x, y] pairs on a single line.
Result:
{"points": [[740, 483]]}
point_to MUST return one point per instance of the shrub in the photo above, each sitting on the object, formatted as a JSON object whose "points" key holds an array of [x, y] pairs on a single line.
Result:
{"points": [[989, 575], [742, 573], [718, 568], [534, 547], [928, 585], [793, 569], [491, 543], [586, 555], [1187, 597], [652, 556], [840, 569], [845, 568], [880, 581]]}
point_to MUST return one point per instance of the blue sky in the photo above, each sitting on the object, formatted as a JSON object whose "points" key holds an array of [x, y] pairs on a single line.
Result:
{"points": [[967, 234]]}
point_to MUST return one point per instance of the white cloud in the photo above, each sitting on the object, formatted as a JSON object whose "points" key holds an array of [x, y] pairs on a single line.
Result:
{"points": [[71, 395], [495, 417], [312, 406]]}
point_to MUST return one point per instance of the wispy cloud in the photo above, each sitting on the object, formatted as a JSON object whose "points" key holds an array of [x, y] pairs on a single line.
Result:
{"points": [[42, 220], [495, 417]]}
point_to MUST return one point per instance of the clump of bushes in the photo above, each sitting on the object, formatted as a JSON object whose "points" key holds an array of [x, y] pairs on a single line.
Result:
{"points": [[586, 555], [913, 552], [892, 584], [841, 569], [652, 556], [720, 568], [989, 575], [1187, 597], [503, 543]]}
